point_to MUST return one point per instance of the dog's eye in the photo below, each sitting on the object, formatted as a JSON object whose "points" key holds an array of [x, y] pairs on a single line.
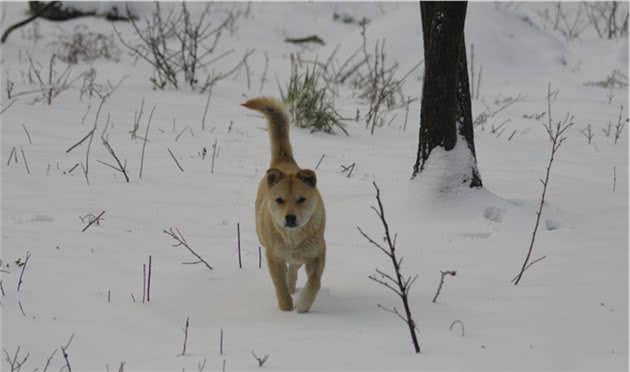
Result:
{"points": [[279, 201], [301, 200]]}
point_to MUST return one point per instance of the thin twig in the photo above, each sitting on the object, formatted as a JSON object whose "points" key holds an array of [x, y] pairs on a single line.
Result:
{"points": [[443, 274], [181, 241], [144, 282], [399, 284], [238, 236], [65, 354], [27, 134], [92, 221], [21, 308], [121, 168], [149, 282], [221, 342], [556, 137], [11, 154], [214, 152], [49, 359], [80, 141], [28, 255], [261, 361], [146, 138], [205, 111], [25, 162], [320, 161], [183, 353], [87, 153], [460, 323], [7, 106], [528, 266], [174, 158]]}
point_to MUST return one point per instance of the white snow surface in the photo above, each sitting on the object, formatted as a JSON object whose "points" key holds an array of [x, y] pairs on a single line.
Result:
{"points": [[570, 312]]}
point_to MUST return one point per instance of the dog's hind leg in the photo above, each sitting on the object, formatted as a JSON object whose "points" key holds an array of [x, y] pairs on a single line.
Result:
{"points": [[278, 271], [292, 277], [314, 270]]}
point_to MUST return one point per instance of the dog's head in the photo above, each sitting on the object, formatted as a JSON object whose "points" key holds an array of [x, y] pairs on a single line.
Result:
{"points": [[292, 197]]}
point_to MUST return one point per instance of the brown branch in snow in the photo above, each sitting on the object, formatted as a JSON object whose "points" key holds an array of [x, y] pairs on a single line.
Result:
{"points": [[87, 153], [183, 353], [28, 255], [144, 282], [11, 154], [348, 168], [238, 236], [49, 359], [13, 362], [145, 139], [320, 161], [181, 241], [65, 354], [80, 141], [529, 265], [439, 289], [221, 342], [27, 134], [263, 78], [205, 111], [174, 158], [121, 168], [308, 39], [25, 162], [21, 308], [261, 361], [214, 152], [7, 106], [96, 219], [399, 285], [149, 282], [556, 137], [460, 323]]}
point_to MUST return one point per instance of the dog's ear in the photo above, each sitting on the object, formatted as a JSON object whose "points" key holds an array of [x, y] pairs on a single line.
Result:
{"points": [[308, 177], [274, 176]]}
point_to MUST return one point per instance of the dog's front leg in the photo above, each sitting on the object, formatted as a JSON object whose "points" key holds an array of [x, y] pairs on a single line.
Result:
{"points": [[314, 269], [278, 271], [292, 277]]}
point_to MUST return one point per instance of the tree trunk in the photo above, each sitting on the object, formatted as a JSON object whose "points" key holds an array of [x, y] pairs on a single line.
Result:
{"points": [[446, 109]]}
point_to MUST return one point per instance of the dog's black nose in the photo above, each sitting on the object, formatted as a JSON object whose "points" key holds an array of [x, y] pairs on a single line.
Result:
{"points": [[290, 220]]}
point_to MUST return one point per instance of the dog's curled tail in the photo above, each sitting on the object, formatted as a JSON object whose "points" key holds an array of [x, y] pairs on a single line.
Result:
{"points": [[278, 125]]}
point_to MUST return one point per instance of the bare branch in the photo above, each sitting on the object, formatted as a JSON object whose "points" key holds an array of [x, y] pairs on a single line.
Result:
{"points": [[181, 241]]}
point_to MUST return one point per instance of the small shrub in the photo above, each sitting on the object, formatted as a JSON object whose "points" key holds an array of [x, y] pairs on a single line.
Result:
{"points": [[86, 46], [310, 105]]}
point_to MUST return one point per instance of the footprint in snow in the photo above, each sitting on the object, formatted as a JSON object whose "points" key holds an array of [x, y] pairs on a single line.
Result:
{"points": [[494, 214], [479, 235], [36, 218], [552, 224], [42, 218]]}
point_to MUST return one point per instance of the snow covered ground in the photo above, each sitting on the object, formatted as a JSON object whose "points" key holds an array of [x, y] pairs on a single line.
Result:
{"points": [[570, 312]]}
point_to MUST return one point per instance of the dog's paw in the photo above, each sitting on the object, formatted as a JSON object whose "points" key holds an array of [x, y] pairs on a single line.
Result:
{"points": [[302, 308], [285, 305], [303, 304]]}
